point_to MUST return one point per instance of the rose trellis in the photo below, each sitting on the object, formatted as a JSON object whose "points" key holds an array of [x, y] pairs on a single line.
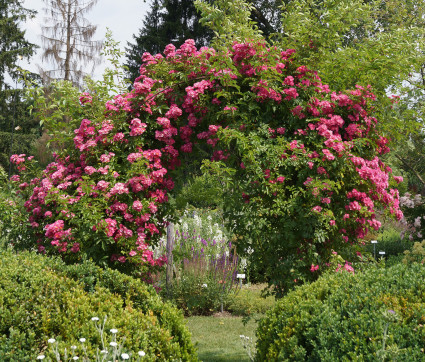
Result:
{"points": [[299, 163]]}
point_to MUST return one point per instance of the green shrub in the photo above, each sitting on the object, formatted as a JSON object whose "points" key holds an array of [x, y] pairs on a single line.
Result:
{"points": [[394, 247], [364, 317], [3, 175], [205, 283], [249, 301], [39, 299], [198, 295], [391, 247], [416, 254], [15, 228], [141, 295]]}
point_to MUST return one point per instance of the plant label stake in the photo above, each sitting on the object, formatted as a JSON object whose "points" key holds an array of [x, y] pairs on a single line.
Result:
{"points": [[240, 277]]}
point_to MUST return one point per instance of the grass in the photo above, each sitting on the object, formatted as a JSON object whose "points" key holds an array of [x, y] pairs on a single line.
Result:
{"points": [[250, 302], [217, 338]]}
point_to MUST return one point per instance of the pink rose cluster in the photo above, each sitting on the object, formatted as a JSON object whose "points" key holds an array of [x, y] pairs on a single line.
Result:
{"points": [[19, 161], [59, 237], [85, 98], [347, 267], [64, 182], [339, 135], [120, 167]]}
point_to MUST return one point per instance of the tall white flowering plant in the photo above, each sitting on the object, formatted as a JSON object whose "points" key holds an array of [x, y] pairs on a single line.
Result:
{"points": [[205, 264]]}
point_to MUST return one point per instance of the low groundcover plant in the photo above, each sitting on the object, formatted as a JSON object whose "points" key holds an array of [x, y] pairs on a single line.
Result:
{"points": [[104, 352]]}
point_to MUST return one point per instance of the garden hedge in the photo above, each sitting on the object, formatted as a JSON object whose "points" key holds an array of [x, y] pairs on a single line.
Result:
{"points": [[42, 298], [369, 316]]}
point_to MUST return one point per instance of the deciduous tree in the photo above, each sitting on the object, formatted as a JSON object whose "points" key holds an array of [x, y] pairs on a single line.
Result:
{"points": [[67, 40]]}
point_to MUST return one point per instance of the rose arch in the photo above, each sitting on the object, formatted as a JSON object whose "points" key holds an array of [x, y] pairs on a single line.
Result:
{"points": [[300, 164]]}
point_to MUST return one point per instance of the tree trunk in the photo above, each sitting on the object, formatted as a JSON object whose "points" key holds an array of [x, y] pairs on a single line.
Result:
{"points": [[68, 41]]}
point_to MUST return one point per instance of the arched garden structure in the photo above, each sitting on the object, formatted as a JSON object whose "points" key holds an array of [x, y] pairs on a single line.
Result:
{"points": [[299, 163]]}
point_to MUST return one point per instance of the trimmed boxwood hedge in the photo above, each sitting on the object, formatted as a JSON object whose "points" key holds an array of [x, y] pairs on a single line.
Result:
{"points": [[343, 317], [42, 298]]}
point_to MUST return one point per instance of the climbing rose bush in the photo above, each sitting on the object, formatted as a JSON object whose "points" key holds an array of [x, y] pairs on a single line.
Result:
{"points": [[299, 163]]}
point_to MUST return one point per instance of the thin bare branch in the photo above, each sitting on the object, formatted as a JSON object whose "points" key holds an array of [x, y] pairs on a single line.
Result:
{"points": [[67, 39]]}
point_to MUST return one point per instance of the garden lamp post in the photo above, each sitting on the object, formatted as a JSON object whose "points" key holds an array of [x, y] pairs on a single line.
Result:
{"points": [[374, 242]]}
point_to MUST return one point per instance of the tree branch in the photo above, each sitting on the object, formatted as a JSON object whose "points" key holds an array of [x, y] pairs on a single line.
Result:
{"points": [[406, 164]]}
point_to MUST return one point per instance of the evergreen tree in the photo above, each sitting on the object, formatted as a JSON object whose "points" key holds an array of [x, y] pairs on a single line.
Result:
{"points": [[168, 21], [181, 22], [266, 14], [18, 130], [15, 121], [13, 44], [150, 39]]}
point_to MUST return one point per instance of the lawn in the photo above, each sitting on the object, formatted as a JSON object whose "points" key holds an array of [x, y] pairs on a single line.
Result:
{"points": [[217, 338]]}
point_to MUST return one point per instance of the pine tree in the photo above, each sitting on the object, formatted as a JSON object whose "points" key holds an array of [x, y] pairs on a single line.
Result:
{"points": [[14, 116], [181, 22], [13, 44], [67, 40], [150, 39]]}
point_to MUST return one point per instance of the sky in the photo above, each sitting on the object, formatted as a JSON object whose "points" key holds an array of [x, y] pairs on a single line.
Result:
{"points": [[123, 17]]}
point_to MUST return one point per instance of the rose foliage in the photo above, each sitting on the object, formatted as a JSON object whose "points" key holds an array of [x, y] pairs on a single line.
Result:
{"points": [[299, 163]]}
